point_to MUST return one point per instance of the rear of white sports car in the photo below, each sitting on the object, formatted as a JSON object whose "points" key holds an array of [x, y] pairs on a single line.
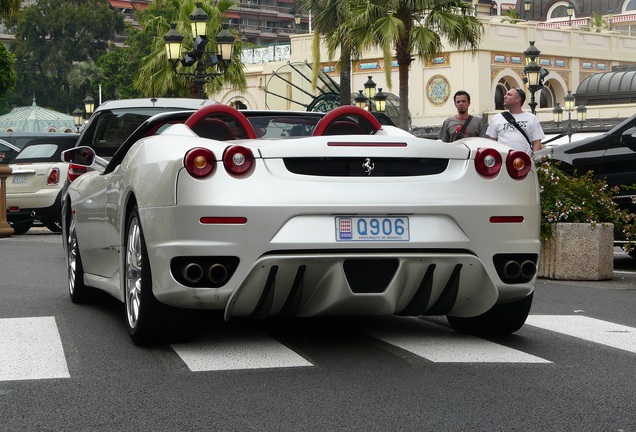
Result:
{"points": [[349, 225]]}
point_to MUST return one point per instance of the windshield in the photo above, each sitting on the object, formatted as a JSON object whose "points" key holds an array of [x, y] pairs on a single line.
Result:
{"points": [[110, 128]]}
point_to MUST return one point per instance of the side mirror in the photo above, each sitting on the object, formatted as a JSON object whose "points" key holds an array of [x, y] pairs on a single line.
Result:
{"points": [[84, 156]]}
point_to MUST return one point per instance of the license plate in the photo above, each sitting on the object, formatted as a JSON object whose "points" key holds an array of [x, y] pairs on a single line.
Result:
{"points": [[372, 228], [19, 179]]}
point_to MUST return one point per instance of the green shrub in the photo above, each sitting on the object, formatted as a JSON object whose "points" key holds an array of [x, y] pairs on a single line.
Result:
{"points": [[579, 198]]}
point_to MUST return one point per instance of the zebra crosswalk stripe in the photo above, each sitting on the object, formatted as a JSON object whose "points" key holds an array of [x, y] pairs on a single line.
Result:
{"points": [[31, 348], [442, 345], [232, 350], [589, 329]]}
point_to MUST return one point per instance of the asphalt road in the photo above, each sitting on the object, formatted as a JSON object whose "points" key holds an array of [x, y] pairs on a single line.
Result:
{"points": [[66, 367]]}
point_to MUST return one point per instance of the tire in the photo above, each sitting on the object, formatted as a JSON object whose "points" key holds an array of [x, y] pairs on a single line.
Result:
{"points": [[500, 319], [22, 226], [148, 321], [78, 292], [53, 226]]}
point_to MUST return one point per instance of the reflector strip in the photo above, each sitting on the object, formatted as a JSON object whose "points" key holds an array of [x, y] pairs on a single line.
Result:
{"points": [[506, 219], [223, 220], [361, 144]]}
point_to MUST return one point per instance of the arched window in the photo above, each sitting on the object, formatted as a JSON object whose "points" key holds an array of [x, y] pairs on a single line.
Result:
{"points": [[558, 11], [629, 6], [547, 96]]}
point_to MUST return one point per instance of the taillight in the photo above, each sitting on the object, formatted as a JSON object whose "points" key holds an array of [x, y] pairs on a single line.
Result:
{"points": [[518, 164], [488, 162], [74, 171], [54, 176], [238, 160], [199, 162]]}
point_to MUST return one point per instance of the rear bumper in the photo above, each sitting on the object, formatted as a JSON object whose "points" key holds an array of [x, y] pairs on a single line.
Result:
{"points": [[42, 206], [299, 269]]}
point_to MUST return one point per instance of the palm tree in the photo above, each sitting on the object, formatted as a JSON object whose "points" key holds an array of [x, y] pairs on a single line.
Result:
{"points": [[9, 9], [598, 23], [511, 16], [412, 26], [83, 75], [328, 18], [156, 77]]}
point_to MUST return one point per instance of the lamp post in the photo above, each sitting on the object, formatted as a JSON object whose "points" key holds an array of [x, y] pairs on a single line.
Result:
{"points": [[369, 88], [89, 105], [297, 22], [208, 65], [493, 8], [527, 4], [610, 18], [78, 118], [581, 113], [534, 73], [360, 99], [380, 101], [570, 12]]}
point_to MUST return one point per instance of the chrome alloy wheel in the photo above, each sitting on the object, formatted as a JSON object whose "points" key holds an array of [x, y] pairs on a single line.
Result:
{"points": [[133, 273], [71, 257]]}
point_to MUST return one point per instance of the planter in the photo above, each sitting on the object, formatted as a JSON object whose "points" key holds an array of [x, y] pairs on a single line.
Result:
{"points": [[578, 251]]}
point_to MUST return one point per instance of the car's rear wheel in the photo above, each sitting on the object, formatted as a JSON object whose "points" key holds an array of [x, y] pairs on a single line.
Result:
{"points": [[53, 226], [146, 318], [21, 226], [500, 319], [77, 290]]}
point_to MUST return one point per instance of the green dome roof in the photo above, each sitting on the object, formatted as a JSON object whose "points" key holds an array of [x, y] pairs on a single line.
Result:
{"points": [[36, 119]]}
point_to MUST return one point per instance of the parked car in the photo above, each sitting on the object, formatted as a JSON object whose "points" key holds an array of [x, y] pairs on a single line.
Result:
{"points": [[35, 184], [347, 217], [7, 151], [611, 155]]}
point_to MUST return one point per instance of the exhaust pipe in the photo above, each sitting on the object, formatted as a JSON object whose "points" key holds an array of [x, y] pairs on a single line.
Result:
{"points": [[217, 273], [192, 273], [512, 270], [528, 269]]}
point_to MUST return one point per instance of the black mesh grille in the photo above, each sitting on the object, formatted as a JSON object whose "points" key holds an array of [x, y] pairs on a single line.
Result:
{"points": [[360, 167]]}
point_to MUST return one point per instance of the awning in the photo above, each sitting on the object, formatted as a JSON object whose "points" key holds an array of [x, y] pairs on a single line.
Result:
{"points": [[120, 4], [233, 15]]}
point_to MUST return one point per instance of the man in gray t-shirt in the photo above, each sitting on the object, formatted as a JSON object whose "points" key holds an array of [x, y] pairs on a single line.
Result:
{"points": [[462, 124]]}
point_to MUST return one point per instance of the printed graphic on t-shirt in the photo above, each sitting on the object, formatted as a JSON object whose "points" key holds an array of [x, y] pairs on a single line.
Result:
{"points": [[510, 126]]}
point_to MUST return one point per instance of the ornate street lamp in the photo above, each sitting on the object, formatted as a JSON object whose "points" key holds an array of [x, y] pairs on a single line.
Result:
{"points": [[78, 118], [581, 114], [570, 12], [380, 101], [360, 99], [89, 105], [532, 53], [610, 18], [208, 65], [569, 102], [557, 112], [297, 22], [534, 73], [369, 88], [527, 4]]}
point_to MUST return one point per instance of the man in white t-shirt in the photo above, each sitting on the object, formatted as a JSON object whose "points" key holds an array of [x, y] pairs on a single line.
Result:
{"points": [[506, 132]]}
